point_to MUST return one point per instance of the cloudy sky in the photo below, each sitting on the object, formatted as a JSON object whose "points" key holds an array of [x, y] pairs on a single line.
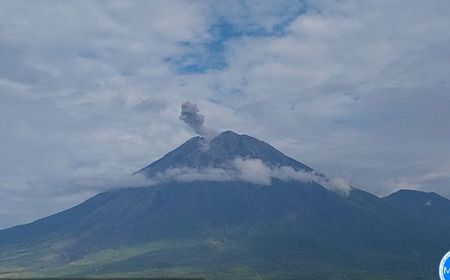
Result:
{"points": [[92, 91]]}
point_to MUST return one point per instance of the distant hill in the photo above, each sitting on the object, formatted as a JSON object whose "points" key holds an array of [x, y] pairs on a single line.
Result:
{"points": [[217, 224]]}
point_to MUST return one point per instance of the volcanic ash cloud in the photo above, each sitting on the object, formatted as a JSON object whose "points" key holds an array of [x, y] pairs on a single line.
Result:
{"points": [[191, 116]]}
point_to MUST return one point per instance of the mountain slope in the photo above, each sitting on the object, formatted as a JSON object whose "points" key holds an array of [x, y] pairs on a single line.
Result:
{"points": [[233, 230]]}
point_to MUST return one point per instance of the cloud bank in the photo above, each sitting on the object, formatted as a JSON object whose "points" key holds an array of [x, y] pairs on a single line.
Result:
{"points": [[252, 171]]}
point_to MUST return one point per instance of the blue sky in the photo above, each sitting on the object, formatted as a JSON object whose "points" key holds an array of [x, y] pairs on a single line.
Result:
{"points": [[90, 91]]}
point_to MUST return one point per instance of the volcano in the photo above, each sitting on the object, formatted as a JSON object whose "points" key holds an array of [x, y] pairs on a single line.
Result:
{"points": [[227, 226]]}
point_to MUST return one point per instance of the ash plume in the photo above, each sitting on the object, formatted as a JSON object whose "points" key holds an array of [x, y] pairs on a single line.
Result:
{"points": [[190, 115]]}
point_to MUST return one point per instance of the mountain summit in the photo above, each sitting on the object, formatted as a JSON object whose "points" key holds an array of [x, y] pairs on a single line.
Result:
{"points": [[219, 152], [292, 226]]}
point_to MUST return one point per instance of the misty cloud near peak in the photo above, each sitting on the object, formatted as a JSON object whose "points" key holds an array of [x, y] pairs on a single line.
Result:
{"points": [[250, 170], [191, 116]]}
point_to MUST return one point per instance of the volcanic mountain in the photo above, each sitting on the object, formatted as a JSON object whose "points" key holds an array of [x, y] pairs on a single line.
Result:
{"points": [[203, 217], [217, 153]]}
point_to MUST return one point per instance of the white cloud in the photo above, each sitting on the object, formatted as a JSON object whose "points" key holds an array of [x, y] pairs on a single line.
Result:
{"points": [[253, 171], [337, 184], [186, 174]]}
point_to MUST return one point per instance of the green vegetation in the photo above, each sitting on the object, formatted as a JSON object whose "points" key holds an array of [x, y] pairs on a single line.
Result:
{"points": [[218, 257]]}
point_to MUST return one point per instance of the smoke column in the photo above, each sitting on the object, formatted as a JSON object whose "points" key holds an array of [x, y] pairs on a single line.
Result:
{"points": [[190, 115]]}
